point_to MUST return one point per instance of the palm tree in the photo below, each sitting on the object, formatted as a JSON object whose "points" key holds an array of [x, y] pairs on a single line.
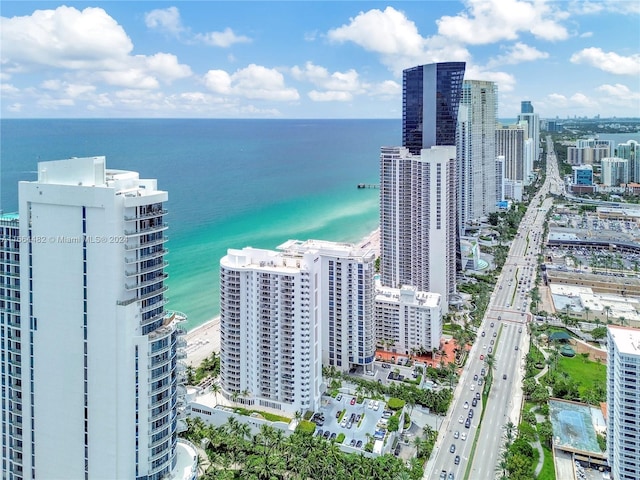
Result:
{"points": [[586, 312], [607, 311], [215, 389], [490, 361], [622, 320], [509, 430]]}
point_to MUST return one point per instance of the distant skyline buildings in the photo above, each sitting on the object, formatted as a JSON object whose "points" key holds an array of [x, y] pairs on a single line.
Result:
{"points": [[510, 143], [430, 100], [526, 107], [92, 383]]}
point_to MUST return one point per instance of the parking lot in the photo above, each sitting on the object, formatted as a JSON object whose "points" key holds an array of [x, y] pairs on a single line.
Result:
{"points": [[359, 419]]}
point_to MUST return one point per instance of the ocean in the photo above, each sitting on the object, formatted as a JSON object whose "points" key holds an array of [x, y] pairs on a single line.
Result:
{"points": [[231, 183]]}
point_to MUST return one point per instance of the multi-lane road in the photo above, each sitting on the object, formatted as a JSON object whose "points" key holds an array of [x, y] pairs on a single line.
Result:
{"points": [[503, 335]]}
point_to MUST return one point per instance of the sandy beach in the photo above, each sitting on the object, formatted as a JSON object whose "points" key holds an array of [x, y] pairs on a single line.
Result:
{"points": [[205, 339]]}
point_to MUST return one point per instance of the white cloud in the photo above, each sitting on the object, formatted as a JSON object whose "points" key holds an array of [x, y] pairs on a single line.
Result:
{"points": [[130, 78], [577, 101], [87, 43], [609, 62], [254, 81], [320, 77], [396, 39], [64, 38], [518, 53], [387, 32], [585, 7], [330, 96], [580, 100], [218, 81], [490, 21], [166, 66], [341, 86], [619, 92], [505, 81], [222, 39], [8, 90], [167, 20]]}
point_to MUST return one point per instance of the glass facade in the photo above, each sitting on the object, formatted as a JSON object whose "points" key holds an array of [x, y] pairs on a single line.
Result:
{"points": [[430, 99]]}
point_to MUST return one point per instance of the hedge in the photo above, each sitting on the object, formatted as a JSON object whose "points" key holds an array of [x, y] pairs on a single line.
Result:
{"points": [[395, 403]]}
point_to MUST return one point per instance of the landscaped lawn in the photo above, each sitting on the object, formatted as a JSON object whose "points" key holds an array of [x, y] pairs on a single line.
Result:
{"points": [[548, 471], [584, 373]]}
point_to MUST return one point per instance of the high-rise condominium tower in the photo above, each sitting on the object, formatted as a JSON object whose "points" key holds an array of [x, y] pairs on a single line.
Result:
{"points": [[285, 313], [510, 143], [418, 219], [91, 388], [526, 107], [623, 402], [430, 99], [533, 128], [476, 151]]}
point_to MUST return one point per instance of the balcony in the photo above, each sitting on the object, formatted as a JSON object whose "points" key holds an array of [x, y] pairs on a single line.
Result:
{"points": [[143, 231], [158, 266], [146, 215], [158, 279], [147, 256], [139, 245]]}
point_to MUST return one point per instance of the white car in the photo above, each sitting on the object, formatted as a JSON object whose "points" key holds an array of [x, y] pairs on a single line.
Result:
{"points": [[370, 405], [376, 405], [466, 405], [463, 436], [473, 387], [460, 419]]}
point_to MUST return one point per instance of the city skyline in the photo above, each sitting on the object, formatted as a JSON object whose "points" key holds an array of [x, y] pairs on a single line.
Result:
{"points": [[310, 59]]}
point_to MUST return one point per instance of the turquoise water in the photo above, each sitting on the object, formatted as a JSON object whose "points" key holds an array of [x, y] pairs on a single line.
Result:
{"points": [[231, 183]]}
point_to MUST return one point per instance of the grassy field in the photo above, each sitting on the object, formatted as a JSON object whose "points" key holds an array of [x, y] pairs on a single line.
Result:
{"points": [[548, 471], [585, 373]]}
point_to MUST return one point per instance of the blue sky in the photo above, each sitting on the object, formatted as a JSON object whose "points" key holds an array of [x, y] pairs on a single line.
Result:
{"points": [[311, 59]]}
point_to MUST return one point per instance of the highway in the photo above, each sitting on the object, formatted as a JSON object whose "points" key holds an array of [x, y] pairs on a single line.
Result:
{"points": [[503, 334]]}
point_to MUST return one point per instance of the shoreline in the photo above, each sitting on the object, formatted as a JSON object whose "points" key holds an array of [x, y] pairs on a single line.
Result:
{"points": [[204, 339]]}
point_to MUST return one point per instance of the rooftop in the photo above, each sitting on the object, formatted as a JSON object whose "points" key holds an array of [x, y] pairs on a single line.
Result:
{"points": [[627, 339], [574, 426]]}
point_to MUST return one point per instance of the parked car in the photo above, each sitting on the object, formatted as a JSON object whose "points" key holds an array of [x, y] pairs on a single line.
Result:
{"points": [[452, 448], [456, 435], [353, 401]]}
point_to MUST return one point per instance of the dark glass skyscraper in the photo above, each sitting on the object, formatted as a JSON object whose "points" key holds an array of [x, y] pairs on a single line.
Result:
{"points": [[430, 99], [526, 107]]}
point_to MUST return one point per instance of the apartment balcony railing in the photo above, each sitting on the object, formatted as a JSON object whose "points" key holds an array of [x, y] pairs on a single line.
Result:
{"points": [[139, 245], [151, 229], [142, 271], [147, 215]]}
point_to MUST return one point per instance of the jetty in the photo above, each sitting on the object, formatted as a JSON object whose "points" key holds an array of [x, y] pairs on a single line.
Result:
{"points": [[368, 185]]}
